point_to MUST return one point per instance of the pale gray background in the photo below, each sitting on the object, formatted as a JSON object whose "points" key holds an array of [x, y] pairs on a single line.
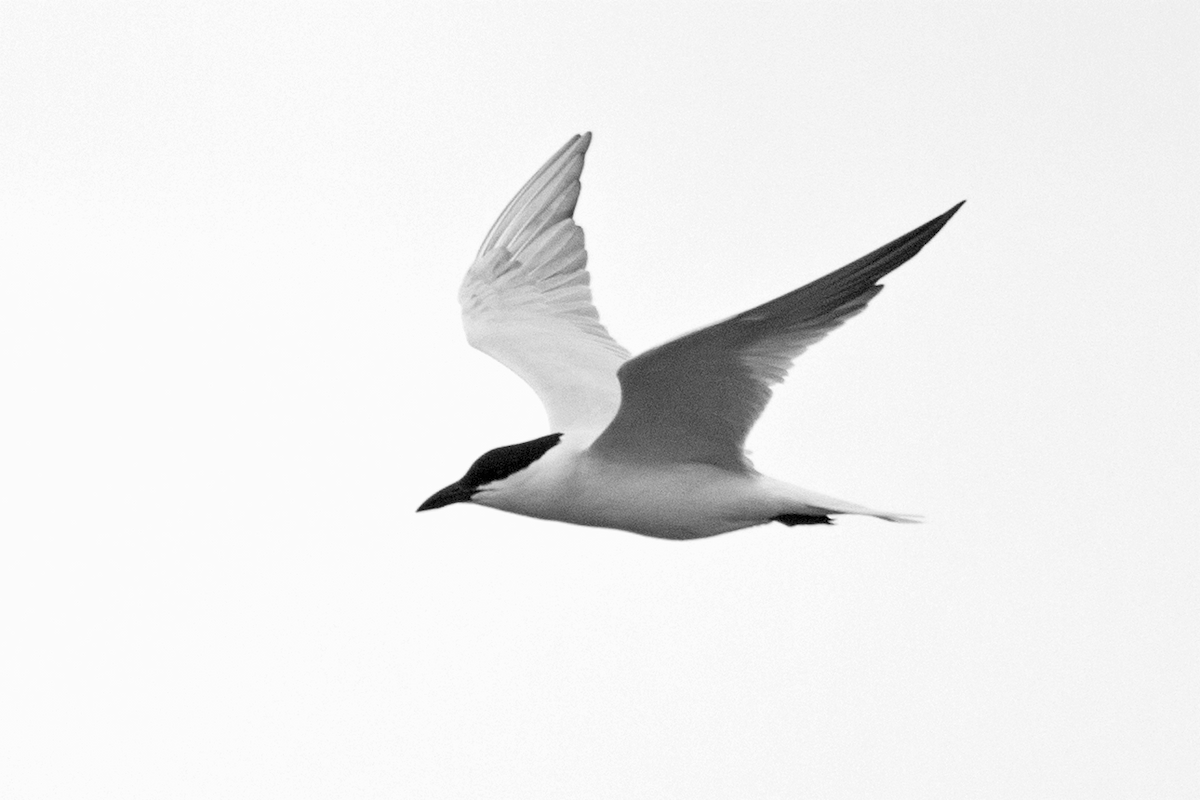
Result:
{"points": [[230, 243]]}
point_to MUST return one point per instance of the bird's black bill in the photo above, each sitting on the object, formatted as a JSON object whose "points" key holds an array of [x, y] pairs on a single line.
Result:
{"points": [[454, 493]]}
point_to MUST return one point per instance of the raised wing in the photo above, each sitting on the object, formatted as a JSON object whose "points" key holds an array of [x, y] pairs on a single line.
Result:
{"points": [[694, 399], [526, 301]]}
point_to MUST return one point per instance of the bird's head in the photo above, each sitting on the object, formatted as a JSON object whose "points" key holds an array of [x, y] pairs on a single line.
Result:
{"points": [[491, 468]]}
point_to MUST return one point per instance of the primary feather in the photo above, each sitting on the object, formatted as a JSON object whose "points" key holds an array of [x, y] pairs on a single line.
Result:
{"points": [[694, 399], [526, 301]]}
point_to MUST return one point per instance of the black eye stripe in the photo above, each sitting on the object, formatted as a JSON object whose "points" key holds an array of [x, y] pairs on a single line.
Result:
{"points": [[504, 461]]}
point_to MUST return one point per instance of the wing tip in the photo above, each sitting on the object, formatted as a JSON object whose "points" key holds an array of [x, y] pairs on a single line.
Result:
{"points": [[931, 228], [577, 144], [905, 247], [940, 221]]}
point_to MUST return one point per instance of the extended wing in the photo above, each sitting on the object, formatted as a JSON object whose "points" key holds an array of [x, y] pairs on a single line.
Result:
{"points": [[526, 301], [694, 399]]}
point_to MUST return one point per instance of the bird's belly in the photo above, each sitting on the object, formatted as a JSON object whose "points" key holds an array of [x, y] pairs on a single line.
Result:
{"points": [[679, 502]]}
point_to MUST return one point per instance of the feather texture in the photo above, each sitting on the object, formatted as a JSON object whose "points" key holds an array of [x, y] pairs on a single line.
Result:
{"points": [[693, 400], [526, 301]]}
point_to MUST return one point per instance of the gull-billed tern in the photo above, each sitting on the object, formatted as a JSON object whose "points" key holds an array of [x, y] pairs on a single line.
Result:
{"points": [[652, 444]]}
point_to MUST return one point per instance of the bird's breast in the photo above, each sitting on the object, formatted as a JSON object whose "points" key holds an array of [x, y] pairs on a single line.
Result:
{"points": [[668, 501]]}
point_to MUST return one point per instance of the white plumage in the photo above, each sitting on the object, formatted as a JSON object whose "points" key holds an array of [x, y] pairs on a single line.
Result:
{"points": [[652, 444], [527, 304]]}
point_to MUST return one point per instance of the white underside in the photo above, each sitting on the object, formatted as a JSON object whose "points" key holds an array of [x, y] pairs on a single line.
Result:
{"points": [[688, 501]]}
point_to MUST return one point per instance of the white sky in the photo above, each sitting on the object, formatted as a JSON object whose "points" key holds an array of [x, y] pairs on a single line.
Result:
{"points": [[230, 244]]}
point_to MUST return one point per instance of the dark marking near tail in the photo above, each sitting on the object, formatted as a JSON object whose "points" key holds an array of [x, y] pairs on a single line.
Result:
{"points": [[498, 464], [803, 519]]}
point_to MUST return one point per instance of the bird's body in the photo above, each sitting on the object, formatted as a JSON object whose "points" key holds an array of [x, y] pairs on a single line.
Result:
{"points": [[572, 483], [677, 501], [653, 444]]}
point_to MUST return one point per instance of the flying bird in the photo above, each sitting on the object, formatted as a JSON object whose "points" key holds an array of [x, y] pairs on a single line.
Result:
{"points": [[652, 444]]}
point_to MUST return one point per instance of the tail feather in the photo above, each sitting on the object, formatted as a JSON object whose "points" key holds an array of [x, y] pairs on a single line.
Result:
{"points": [[893, 517], [803, 507]]}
